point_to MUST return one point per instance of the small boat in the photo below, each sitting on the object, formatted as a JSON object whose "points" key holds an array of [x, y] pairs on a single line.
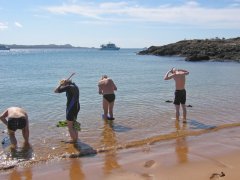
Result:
{"points": [[109, 46], [3, 47]]}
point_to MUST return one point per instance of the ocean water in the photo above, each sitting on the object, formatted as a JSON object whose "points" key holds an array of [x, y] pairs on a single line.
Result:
{"points": [[28, 78]]}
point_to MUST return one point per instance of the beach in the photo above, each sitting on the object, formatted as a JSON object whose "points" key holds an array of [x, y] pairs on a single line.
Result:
{"points": [[144, 141], [186, 157], [172, 112]]}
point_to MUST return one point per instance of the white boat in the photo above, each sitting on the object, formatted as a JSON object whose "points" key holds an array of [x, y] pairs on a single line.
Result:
{"points": [[109, 46], [3, 47]]}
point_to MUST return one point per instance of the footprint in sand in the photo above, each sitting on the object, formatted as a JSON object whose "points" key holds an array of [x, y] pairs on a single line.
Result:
{"points": [[147, 176], [217, 175], [149, 163]]}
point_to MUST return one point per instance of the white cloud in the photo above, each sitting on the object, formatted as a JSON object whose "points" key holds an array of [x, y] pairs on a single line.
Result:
{"points": [[18, 24], [190, 13], [3, 26], [112, 5]]}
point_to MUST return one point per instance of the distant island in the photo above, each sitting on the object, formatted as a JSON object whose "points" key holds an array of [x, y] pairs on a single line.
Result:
{"points": [[49, 46], [199, 50]]}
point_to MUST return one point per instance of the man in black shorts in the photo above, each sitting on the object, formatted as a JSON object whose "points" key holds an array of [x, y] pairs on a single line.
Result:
{"points": [[16, 118], [73, 105], [180, 93], [106, 87]]}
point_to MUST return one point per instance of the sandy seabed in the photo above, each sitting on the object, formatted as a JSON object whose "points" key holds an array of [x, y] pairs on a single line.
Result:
{"points": [[214, 155]]}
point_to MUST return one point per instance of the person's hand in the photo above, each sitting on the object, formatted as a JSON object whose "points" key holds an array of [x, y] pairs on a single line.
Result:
{"points": [[62, 82], [173, 71]]}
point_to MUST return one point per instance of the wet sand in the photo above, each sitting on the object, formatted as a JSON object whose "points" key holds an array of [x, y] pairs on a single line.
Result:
{"points": [[187, 157]]}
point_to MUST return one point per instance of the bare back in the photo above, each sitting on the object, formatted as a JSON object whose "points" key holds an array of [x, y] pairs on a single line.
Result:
{"points": [[16, 112], [106, 86], [179, 80]]}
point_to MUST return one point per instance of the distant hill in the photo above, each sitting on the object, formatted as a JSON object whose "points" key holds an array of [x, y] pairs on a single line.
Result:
{"points": [[49, 46], [199, 50]]}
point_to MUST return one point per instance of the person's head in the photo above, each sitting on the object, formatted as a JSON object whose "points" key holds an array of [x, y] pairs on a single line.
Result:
{"points": [[104, 76], [65, 81]]}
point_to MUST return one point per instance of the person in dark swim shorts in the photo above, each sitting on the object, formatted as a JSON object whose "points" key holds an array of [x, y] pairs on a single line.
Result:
{"points": [[106, 87], [179, 76], [16, 123], [180, 97], [109, 97], [73, 106], [71, 114], [16, 118]]}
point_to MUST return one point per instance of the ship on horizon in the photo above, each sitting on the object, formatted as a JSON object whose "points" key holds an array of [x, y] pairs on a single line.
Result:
{"points": [[109, 46]]}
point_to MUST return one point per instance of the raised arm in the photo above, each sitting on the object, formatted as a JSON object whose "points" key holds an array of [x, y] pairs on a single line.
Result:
{"points": [[57, 89], [4, 116], [168, 75], [60, 86], [185, 72]]}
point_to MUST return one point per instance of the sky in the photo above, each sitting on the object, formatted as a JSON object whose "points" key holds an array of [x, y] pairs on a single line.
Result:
{"points": [[127, 23]]}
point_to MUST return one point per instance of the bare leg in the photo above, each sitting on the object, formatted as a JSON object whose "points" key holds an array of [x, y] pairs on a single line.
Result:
{"points": [[177, 112], [73, 133], [105, 108], [12, 138], [25, 133], [111, 109], [184, 113]]}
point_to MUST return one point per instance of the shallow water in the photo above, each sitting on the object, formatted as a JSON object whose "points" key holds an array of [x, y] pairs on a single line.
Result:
{"points": [[28, 78]]}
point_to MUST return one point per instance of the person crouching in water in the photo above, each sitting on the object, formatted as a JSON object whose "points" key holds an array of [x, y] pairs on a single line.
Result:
{"points": [[73, 105], [106, 87], [16, 118]]}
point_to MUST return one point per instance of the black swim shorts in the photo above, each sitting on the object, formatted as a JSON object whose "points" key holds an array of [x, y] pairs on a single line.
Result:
{"points": [[16, 123], [180, 97], [71, 114], [109, 97]]}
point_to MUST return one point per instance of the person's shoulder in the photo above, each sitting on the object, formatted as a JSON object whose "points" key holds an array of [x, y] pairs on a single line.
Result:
{"points": [[73, 85], [100, 82]]}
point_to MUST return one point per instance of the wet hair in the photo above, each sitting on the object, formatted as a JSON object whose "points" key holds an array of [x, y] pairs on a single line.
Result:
{"points": [[104, 76], [65, 81]]}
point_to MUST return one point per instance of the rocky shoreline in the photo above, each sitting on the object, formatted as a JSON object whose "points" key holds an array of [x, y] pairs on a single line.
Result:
{"points": [[199, 50]]}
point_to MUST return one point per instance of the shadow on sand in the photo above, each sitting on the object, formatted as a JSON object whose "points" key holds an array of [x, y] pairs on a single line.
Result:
{"points": [[194, 124]]}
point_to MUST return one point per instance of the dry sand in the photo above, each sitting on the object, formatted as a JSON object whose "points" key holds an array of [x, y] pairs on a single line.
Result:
{"points": [[185, 158]]}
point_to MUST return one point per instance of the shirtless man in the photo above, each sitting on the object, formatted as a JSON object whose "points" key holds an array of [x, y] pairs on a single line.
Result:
{"points": [[106, 87], [16, 118], [180, 93]]}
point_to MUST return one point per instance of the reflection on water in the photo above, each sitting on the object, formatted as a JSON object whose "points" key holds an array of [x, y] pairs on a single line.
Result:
{"points": [[194, 124], [181, 143], [79, 149], [75, 170], [22, 153], [109, 140], [12, 157], [25, 173]]}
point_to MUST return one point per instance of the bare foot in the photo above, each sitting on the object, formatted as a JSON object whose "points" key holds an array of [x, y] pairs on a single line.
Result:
{"points": [[26, 145], [70, 141]]}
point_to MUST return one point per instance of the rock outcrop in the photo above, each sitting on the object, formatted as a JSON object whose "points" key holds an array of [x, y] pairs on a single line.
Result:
{"points": [[199, 50]]}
